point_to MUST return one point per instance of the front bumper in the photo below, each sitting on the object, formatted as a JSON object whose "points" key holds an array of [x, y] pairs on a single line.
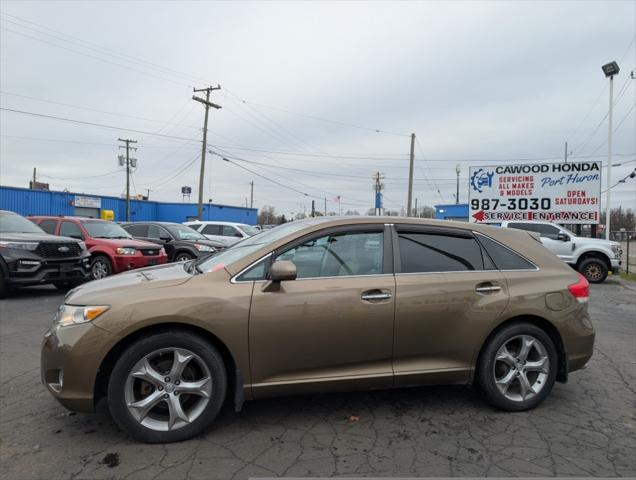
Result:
{"points": [[615, 266], [122, 263], [25, 268], [70, 359]]}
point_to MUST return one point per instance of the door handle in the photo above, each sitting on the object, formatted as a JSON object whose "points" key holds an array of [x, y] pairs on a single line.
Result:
{"points": [[487, 287], [376, 295]]}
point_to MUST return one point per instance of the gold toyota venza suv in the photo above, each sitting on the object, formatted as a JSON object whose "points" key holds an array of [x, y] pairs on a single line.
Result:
{"points": [[321, 305]]}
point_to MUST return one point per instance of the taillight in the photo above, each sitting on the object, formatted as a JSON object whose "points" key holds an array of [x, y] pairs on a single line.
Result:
{"points": [[580, 290]]}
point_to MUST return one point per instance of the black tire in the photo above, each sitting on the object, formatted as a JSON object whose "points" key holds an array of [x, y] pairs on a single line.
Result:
{"points": [[485, 374], [3, 286], [101, 260], [183, 257], [594, 269], [145, 346]]}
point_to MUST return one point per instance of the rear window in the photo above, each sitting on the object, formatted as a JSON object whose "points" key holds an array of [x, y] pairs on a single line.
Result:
{"points": [[503, 257], [211, 230], [422, 252]]}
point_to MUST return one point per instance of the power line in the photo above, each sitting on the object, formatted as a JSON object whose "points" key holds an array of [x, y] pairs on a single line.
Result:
{"points": [[92, 124], [133, 59], [79, 107], [320, 119]]}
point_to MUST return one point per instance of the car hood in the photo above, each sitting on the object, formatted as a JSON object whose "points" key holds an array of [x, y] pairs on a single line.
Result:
{"points": [[128, 284], [598, 242], [33, 237], [125, 242], [209, 243]]}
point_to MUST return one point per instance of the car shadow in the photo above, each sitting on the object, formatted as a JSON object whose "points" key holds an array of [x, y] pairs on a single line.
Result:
{"points": [[35, 291]]}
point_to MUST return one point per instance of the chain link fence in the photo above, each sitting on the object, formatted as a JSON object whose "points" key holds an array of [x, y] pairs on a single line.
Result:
{"points": [[627, 239]]}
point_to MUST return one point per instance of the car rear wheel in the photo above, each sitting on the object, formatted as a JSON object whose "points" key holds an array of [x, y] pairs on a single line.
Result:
{"points": [[167, 387], [183, 257], [594, 269], [100, 267], [517, 368]]}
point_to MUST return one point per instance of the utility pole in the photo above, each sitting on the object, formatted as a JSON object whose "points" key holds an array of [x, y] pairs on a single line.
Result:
{"points": [[207, 104], [610, 70], [416, 215], [128, 161], [566, 152], [313, 208], [325, 206], [148, 194], [458, 171], [34, 177], [378, 186], [252, 194], [410, 195]]}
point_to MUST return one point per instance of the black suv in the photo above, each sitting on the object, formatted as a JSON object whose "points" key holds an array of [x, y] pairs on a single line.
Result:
{"points": [[30, 256], [180, 242]]}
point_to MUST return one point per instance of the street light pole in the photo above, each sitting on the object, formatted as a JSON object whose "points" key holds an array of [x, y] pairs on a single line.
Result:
{"points": [[609, 70]]}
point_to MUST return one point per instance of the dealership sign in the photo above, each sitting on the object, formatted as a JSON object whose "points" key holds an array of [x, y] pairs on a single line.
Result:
{"points": [[87, 202], [567, 192]]}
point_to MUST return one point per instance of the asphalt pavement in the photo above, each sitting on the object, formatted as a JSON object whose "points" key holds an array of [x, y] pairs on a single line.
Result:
{"points": [[587, 427]]}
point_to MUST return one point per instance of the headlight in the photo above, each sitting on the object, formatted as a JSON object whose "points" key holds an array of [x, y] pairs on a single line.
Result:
{"points": [[72, 315], [20, 245], [162, 251], [616, 250], [126, 251], [203, 248], [82, 245]]}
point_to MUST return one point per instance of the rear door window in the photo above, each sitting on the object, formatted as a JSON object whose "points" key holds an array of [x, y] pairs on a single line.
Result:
{"points": [[48, 226], [229, 231], [427, 251], [137, 230], [211, 230]]}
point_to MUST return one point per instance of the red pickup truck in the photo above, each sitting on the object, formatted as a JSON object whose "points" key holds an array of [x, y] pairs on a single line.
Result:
{"points": [[112, 249]]}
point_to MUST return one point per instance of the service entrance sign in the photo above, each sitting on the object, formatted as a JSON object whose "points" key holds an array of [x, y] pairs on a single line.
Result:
{"points": [[558, 192]]}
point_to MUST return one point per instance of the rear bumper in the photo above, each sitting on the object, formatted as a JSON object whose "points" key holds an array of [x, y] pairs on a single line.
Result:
{"points": [[122, 263], [22, 268]]}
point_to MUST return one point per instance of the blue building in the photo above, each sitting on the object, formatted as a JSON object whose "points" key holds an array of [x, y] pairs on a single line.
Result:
{"points": [[45, 202], [452, 211]]}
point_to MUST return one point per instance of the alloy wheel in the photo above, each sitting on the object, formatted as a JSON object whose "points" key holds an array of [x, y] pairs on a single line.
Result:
{"points": [[99, 269], [168, 389], [593, 272], [521, 368]]}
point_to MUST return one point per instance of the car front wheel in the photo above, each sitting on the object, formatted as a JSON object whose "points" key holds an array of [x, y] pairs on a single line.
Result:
{"points": [[100, 267], [517, 368], [167, 387]]}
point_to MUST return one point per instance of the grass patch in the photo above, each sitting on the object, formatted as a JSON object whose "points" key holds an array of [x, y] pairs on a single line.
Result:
{"points": [[628, 276]]}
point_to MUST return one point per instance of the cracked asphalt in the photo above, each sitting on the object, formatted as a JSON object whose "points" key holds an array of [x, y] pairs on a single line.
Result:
{"points": [[587, 427]]}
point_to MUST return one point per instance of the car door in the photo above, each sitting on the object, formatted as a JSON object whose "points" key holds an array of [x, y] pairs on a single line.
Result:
{"points": [[448, 293], [560, 245], [332, 327]]}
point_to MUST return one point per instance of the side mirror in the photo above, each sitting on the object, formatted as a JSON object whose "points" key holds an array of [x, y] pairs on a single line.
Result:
{"points": [[564, 237], [282, 270], [165, 239], [238, 235]]}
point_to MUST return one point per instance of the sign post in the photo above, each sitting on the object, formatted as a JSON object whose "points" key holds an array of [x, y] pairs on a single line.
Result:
{"points": [[567, 193]]}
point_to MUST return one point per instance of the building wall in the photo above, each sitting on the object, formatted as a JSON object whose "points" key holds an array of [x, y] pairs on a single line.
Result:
{"points": [[452, 212], [43, 202]]}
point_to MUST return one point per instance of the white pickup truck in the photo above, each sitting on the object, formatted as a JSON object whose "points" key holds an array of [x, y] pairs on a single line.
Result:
{"points": [[593, 257]]}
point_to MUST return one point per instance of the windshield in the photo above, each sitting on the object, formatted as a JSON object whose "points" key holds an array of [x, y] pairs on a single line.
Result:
{"points": [[248, 246], [97, 229], [183, 232], [248, 229], [10, 222]]}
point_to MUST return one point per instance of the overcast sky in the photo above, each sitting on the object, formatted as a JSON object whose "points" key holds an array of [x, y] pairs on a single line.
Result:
{"points": [[492, 82]]}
